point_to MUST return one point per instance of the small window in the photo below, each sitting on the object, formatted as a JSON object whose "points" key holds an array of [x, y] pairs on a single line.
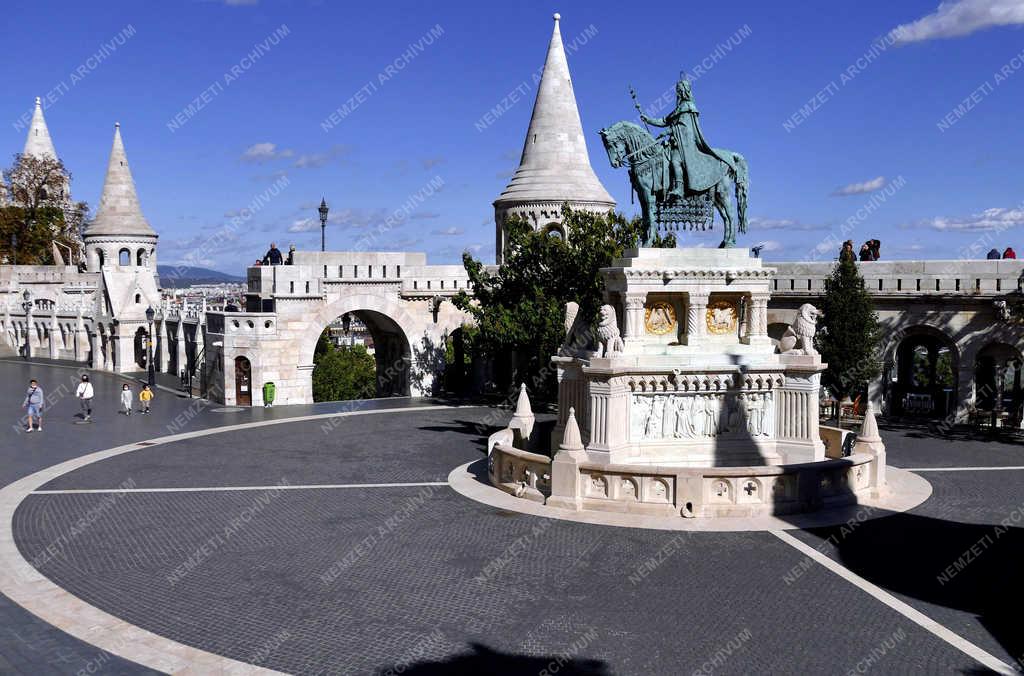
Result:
{"points": [[977, 285], [879, 285], [307, 287], [999, 285], [442, 283], [124, 257], [415, 284], [138, 298], [341, 270], [355, 272], [808, 285], [291, 287], [937, 286], [958, 285], [325, 272], [919, 285], [899, 284], [792, 285], [369, 272], [384, 271], [776, 284], [428, 283], [398, 271]]}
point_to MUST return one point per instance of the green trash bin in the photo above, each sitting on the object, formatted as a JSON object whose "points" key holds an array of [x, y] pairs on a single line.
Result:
{"points": [[268, 394]]}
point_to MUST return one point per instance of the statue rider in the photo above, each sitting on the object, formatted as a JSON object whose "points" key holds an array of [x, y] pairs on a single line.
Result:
{"points": [[695, 165]]}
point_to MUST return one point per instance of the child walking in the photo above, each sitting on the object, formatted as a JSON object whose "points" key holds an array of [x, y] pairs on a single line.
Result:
{"points": [[126, 399], [145, 396]]}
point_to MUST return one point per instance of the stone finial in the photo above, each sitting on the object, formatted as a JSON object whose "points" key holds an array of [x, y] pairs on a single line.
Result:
{"points": [[523, 419], [571, 440], [869, 428]]}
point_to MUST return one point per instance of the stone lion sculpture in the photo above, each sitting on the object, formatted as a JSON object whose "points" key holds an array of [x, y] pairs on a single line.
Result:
{"points": [[609, 340], [799, 337]]}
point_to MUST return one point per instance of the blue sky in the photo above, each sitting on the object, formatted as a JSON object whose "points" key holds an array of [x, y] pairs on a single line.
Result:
{"points": [[850, 130]]}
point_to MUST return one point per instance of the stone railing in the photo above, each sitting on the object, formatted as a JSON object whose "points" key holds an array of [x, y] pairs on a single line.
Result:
{"points": [[902, 279]]}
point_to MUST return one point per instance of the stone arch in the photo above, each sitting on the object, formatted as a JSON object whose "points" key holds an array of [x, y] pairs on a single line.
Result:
{"points": [[909, 349], [124, 257], [396, 355], [993, 393], [142, 257]]}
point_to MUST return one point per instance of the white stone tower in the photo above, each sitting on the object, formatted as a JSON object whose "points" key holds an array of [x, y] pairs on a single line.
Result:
{"points": [[38, 144], [555, 166], [120, 234]]}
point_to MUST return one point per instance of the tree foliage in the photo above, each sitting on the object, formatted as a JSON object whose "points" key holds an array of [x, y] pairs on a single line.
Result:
{"points": [[849, 334], [519, 309], [342, 372], [40, 211]]}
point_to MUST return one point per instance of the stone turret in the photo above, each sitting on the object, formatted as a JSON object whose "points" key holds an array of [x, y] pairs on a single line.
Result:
{"points": [[555, 166], [120, 234]]}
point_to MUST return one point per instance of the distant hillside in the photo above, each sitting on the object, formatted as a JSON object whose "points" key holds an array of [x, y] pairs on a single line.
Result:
{"points": [[179, 276]]}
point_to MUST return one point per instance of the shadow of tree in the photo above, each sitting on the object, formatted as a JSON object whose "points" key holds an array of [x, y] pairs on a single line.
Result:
{"points": [[973, 568], [484, 660]]}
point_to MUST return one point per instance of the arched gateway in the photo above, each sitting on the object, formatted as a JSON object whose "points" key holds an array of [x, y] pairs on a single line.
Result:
{"points": [[403, 303]]}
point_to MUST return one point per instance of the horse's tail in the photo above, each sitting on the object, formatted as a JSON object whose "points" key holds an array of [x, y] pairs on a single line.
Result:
{"points": [[742, 182]]}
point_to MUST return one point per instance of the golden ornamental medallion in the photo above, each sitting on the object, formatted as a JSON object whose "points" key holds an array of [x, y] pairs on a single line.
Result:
{"points": [[722, 317], [659, 318]]}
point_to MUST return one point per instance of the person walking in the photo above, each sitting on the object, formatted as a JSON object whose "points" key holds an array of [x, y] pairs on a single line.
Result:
{"points": [[34, 403], [126, 399], [145, 396], [85, 394], [1010, 253]]}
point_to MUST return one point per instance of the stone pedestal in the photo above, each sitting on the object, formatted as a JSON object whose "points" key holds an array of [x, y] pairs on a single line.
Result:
{"points": [[697, 383]]}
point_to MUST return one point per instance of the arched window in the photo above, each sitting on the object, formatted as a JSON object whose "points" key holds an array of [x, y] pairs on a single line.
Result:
{"points": [[140, 258], [554, 230], [138, 298], [124, 257], [100, 257]]}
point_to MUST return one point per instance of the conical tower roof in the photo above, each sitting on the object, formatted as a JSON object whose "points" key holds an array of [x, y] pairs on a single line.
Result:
{"points": [[38, 143], [555, 165], [119, 212]]}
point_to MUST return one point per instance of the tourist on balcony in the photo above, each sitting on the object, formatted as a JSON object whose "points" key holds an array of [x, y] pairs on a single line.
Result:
{"points": [[993, 254], [273, 256], [865, 252], [291, 256], [876, 249], [846, 254], [1009, 253]]}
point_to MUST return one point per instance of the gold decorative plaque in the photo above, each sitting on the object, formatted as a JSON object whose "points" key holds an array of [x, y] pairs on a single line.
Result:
{"points": [[722, 317], [659, 318]]}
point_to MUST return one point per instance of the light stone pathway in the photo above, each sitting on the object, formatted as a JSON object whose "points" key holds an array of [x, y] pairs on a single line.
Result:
{"points": [[27, 587]]}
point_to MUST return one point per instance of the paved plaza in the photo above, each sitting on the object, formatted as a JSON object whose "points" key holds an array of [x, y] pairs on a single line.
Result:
{"points": [[299, 541]]}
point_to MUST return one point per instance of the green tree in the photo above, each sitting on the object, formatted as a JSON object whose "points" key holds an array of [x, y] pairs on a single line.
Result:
{"points": [[519, 309], [40, 212], [849, 334], [343, 372]]}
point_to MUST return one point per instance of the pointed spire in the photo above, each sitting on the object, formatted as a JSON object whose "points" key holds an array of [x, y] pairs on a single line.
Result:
{"points": [[38, 143], [119, 212], [571, 440], [869, 428], [523, 419], [555, 165]]}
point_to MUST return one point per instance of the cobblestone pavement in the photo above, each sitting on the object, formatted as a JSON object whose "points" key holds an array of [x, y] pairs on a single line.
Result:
{"points": [[420, 580]]}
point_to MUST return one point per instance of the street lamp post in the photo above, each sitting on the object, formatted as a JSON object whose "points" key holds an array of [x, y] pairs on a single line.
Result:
{"points": [[26, 305], [149, 347], [323, 223]]}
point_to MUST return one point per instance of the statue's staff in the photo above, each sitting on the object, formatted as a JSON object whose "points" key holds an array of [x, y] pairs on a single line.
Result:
{"points": [[636, 104]]}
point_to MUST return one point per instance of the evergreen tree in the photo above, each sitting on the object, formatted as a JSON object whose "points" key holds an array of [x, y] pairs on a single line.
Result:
{"points": [[849, 334], [40, 212], [519, 309]]}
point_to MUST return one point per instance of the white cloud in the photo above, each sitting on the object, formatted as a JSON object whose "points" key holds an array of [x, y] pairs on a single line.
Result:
{"points": [[303, 225], [264, 152], [860, 188], [770, 245], [758, 223], [316, 160], [450, 231], [996, 218], [957, 18]]}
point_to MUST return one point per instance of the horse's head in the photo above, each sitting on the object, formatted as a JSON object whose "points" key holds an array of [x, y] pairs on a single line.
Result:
{"points": [[623, 138], [613, 145]]}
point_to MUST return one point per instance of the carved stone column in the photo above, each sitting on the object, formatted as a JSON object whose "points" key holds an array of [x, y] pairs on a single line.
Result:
{"points": [[696, 309], [633, 324], [757, 322]]}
